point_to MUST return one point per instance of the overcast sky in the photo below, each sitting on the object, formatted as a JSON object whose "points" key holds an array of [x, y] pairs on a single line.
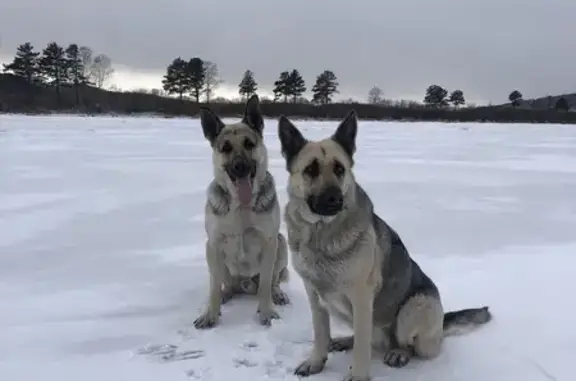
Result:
{"points": [[484, 47]]}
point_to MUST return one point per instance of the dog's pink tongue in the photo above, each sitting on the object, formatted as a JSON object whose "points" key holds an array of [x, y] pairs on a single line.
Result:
{"points": [[244, 190]]}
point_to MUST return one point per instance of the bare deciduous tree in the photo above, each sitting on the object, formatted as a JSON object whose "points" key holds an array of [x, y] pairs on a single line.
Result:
{"points": [[86, 56], [375, 95], [101, 70], [158, 92], [212, 79]]}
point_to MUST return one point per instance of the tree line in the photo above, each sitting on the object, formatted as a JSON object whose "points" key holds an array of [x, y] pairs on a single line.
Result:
{"points": [[56, 66], [72, 78], [197, 77]]}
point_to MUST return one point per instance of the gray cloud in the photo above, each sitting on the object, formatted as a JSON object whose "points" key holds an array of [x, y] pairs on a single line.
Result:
{"points": [[486, 48]]}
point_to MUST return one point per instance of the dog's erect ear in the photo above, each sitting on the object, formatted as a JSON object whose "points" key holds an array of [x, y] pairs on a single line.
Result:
{"points": [[211, 124], [253, 115], [291, 140], [345, 134]]}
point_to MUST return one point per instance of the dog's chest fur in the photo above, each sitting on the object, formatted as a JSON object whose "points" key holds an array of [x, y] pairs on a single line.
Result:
{"points": [[243, 252], [327, 276], [329, 260], [240, 234]]}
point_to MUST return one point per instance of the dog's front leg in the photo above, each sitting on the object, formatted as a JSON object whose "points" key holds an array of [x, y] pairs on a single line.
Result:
{"points": [[321, 326], [216, 269], [266, 310], [281, 274], [362, 298]]}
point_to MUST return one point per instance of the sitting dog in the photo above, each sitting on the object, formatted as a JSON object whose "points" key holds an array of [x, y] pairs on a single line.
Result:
{"points": [[245, 251], [354, 266]]}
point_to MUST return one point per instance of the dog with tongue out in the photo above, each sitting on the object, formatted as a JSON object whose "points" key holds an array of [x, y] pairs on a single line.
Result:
{"points": [[245, 251], [242, 172]]}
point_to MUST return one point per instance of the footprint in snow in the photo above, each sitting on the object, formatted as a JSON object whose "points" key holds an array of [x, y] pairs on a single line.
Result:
{"points": [[239, 362], [169, 353], [249, 345]]}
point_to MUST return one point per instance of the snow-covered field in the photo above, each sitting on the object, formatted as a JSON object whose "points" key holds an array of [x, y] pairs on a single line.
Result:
{"points": [[101, 250]]}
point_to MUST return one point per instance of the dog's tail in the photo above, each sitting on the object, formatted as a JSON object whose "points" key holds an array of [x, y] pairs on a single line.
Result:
{"points": [[463, 321]]}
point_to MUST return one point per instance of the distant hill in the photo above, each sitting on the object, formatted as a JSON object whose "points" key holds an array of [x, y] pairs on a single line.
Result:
{"points": [[18, 96], [543, 103], [550, 101]]}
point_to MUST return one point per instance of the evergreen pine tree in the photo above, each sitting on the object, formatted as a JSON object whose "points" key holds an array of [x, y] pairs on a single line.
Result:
{"points": [[281, 86], [25, 64], [197, 77], [295, 86], [54, 66], [75, 68], [515, 98], [248, 85], [436, 96], [457, 98], [176, 80], [326, 86]]}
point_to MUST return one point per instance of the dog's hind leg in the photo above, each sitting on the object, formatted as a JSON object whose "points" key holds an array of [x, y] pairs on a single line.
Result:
{"points": [[380, 341], [230, 287], [341, 344], [281, 273], [418, 330]]}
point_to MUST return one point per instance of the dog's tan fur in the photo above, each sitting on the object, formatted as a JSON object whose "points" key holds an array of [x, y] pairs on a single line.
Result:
{"points": [[353, 265], [245, 251]]}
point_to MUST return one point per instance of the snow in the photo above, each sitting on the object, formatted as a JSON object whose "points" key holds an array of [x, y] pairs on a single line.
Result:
{"points": [[102, 262]]}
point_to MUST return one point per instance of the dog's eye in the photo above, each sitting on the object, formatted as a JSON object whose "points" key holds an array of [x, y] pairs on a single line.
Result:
{"points": [[226, 147], [312, 170], [248, 144], [339, 169]]}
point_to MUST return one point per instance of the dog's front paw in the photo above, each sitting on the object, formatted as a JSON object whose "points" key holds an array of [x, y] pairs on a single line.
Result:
{"points": [[397, 358], [207, 320], [279, 297], [351, 376], [310, 366], [266, 315]]}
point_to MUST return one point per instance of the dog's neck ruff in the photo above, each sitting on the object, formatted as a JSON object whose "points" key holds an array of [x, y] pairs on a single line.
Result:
{"points": [[336, 239], [331, 235]]}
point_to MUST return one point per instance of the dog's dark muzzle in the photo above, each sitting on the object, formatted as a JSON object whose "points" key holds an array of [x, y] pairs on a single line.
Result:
{"points": [[328, 203], [240, 168]]}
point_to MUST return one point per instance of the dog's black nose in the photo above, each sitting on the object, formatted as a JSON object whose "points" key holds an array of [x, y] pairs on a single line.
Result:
{"points": [[240, 168], [332, 196], [328, 203]]}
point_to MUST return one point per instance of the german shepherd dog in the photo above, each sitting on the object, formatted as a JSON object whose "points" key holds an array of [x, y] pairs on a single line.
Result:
{"points": [[245, 251], [354, 266]]}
